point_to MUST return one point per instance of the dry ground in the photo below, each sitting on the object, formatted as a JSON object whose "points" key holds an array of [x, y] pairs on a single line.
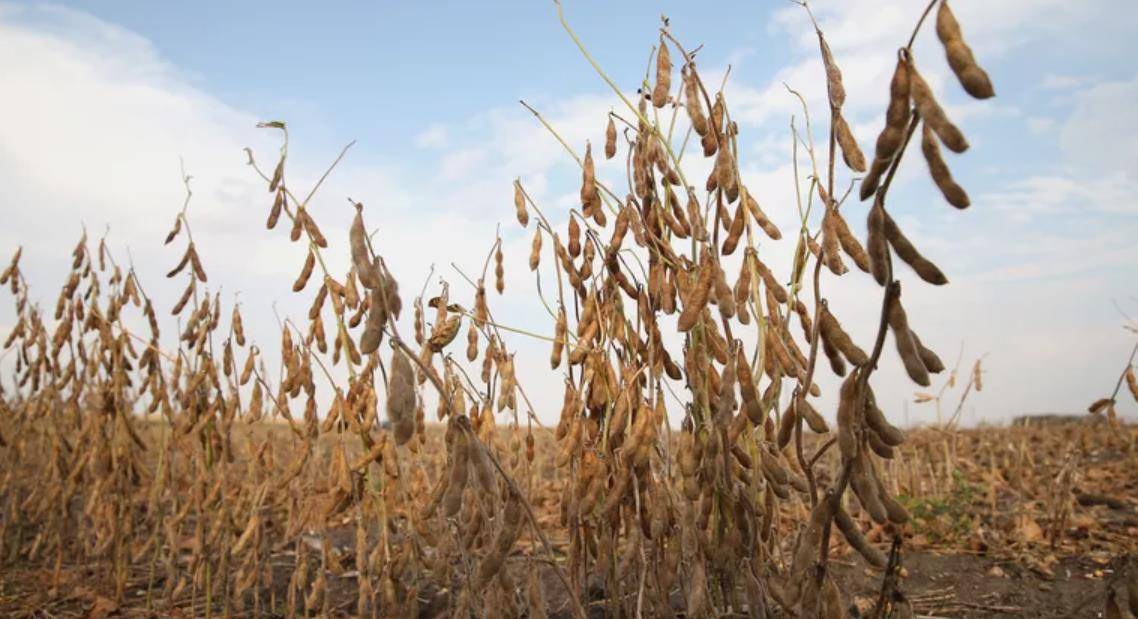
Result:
{"points": [[989, 535]]}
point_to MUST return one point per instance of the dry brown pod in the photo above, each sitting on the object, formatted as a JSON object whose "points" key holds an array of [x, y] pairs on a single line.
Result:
{"points": [[520, 204], [974, 79], [574, 245], [849, 243], [895, 512], [305, 272], [837, 362], [896, 119], [674, 215], [725, 174], [694, 213], [878, 446], [559, 340], [743, 283], [535, 250], [908, 253], [857, 540], [457, 475], [724, 297], [863, 482], [735, 232], [876, 243], [499, 270], [717, 346], [848, 417], [297, 228], [373, 328], [769, 280], [772, 468], [760, 217], [851, 153], [688, 454], [620, 228], [931, 360], [366, 270], [1099, 405], [747, 389], [278, 175], [906, 344], [831, 243], [809, 414], [581, 350], [711, 140], [610, 139], [1131, 381], [177, 268], [663, 75], [472, 343], [692, 100], [384, 301], [401, 397], [876, 421], [483, 470], [725, 399], [834, 88], [181, 304], [275, 211], [786, 426], [311, 228], [932, 113], [831, 330], [782, 355], [590, 196], [809, 540], [938, 169], [698, 296], [196, 263]]}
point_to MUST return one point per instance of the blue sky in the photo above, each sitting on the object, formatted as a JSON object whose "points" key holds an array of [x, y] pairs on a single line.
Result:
{"points": [[339, 70], [107, 96]]}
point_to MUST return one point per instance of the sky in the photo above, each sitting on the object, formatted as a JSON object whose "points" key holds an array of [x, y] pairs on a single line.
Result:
{"points": [[103, 102]]}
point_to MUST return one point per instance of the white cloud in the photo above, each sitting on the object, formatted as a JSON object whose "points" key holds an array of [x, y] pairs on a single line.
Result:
{"points": [[1040, 124], [434, 136], [1102, 129], [95, 136], [1053, 81], [1066, 194], [101, 124]]}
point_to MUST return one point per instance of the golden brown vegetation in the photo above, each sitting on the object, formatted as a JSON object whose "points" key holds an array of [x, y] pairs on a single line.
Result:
{"points": [[197, 484]]}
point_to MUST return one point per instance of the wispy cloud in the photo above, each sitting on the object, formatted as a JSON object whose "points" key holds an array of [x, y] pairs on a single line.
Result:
{"points": [[434, 136]]}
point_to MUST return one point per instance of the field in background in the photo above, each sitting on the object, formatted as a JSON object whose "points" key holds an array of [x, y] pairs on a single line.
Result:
{"points": [[1018, 521]]}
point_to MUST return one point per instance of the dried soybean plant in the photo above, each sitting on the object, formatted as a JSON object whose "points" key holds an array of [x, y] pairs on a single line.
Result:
{"points": [[712, 518], [472, 515], [1107, 404], [226, 494], [974, 381]]}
